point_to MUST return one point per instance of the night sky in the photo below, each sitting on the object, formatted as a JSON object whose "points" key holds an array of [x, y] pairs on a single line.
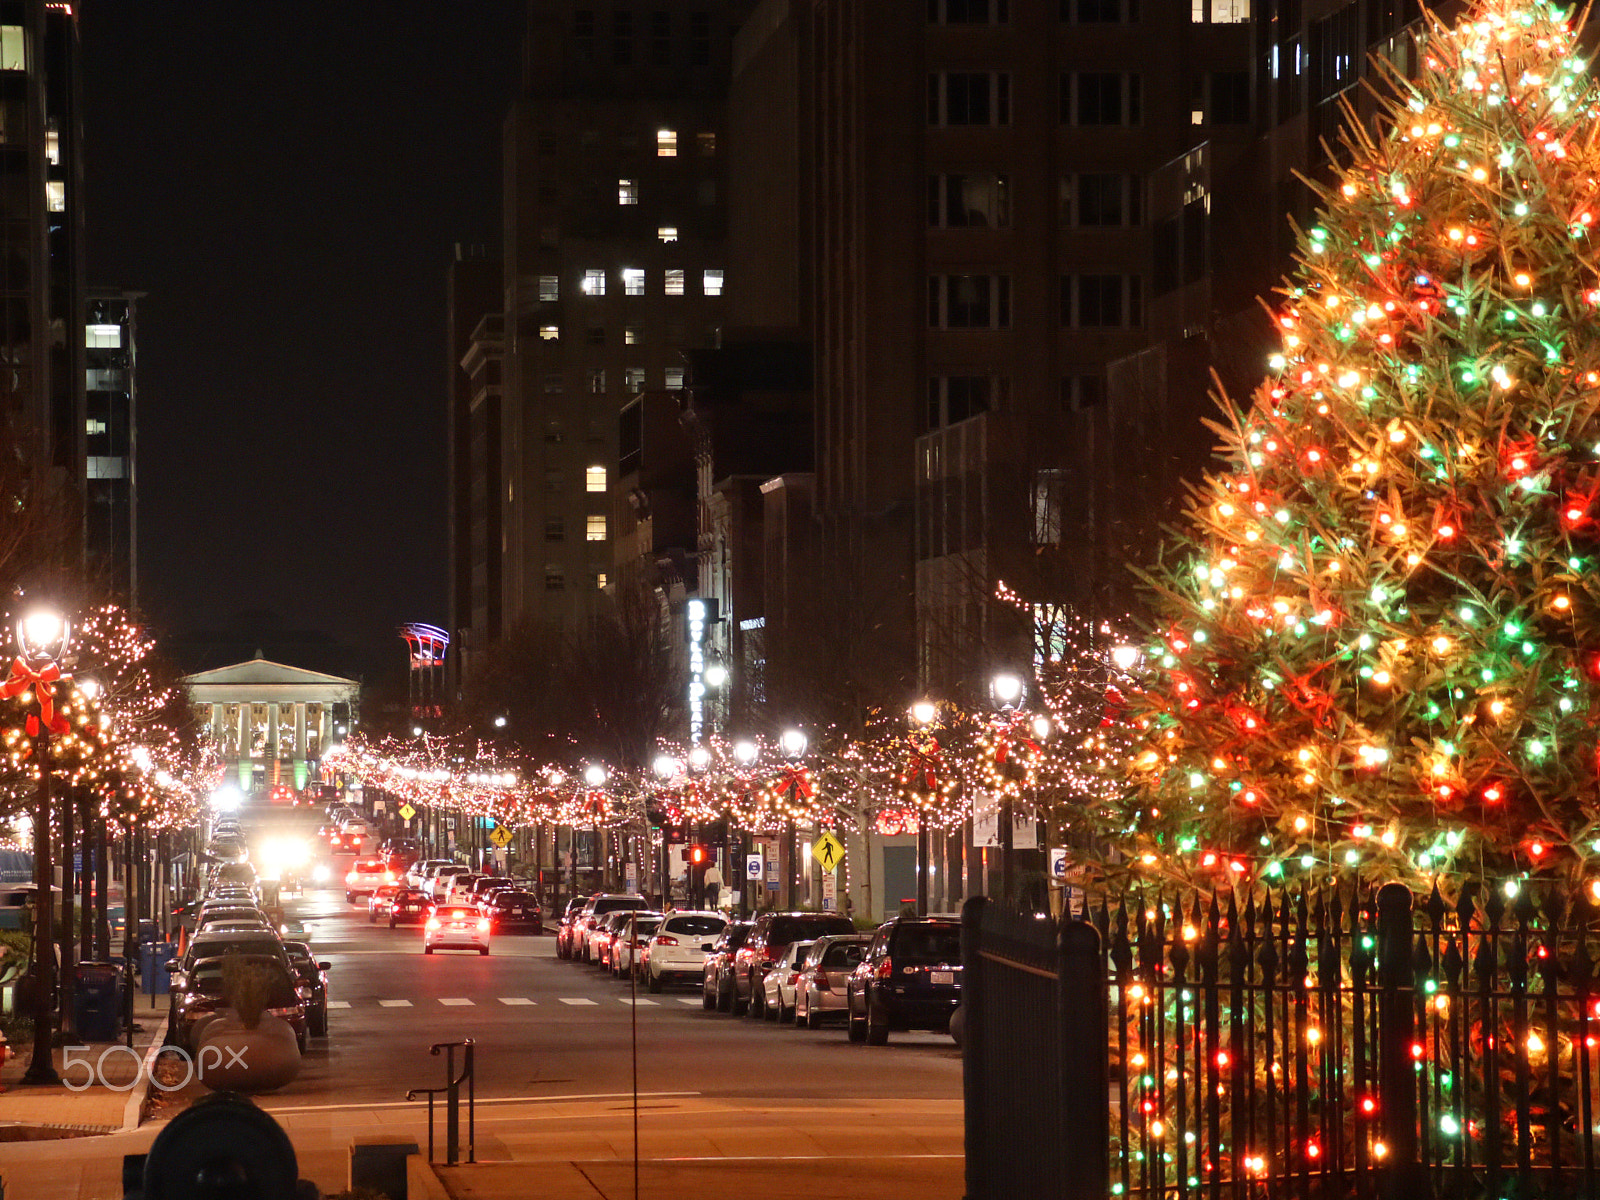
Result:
{"points": [[287, 182]]}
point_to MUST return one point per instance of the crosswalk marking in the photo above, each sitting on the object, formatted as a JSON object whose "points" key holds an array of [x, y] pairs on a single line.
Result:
{"points": [[338, 1004], [456, 1002], [515, 1001], [576, 1001], [640, 1003], [689, 1000], [394, 1003]]}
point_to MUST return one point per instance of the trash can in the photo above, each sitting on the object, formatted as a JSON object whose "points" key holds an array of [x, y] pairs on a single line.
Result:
{"points": [[154, 978], [97, 1002]]}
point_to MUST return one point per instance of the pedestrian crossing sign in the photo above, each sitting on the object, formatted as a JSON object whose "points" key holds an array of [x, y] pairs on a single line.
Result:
{"points": [[501, 836], [407, 812], [828, 852]]}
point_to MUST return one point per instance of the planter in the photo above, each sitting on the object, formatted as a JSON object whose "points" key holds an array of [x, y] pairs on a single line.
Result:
{"points": [[235, 1059]]}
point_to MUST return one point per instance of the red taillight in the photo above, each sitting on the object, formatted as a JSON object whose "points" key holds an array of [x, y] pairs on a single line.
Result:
{"points": [[483, 924], [771, 953], [886, 968], [666, 939], [794, 978], [334, 840], [433, 922], [388, 876], [350, 877], [821, 983]]}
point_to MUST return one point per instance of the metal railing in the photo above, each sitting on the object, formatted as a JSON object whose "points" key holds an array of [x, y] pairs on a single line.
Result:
{"points": [[452, 1102]]}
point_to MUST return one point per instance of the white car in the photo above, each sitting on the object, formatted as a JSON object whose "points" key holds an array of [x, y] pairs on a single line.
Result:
{"points": [[438, 885], [456, 927], [417, 873], [625, 950], [677, 951], [779, 983]]}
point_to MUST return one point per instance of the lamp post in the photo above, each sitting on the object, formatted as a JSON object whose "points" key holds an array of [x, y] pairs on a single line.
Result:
{"points": [[745, 753], [1006, 690], [923, 714], [794, 745], [42, 638], [594, 778]]}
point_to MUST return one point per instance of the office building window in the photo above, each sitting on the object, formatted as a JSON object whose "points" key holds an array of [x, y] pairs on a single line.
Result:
{"points": [[552, 480], [55, 194], [633, 379], [1100, 12], [699, 39], [674, 378], [555, 579], [596, 335], [594, 283], [594, 479], [1095, 301], [549, 333], [969, 301], [1091, 199], [553, 385], [103, 337], [622, 38], [627, 191], [969, 98], [667, 233], [969, 12], [979, 200], [1223, 97], [630, 335], [600, 579], [1079, 392], [661, 39], [666, 143], [954, 398], [1100, 98], [597, 381], [707, 143], [633, 281], [595, 529], [1049, 506], [549, 287], [674, 282], [13, 48], [711, 283], [1219, 12], [555, 530]]}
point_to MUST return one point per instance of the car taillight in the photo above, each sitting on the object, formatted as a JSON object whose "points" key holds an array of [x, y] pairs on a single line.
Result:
{"points": [[666, 939], [483, 924], [334, 840], [770, 953], [886, 968], [821, 983], [285, 1012], [433, 922], [388, 876]]}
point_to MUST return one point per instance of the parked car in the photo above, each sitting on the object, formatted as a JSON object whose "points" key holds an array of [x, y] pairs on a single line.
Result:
{"points": [[460, 890], [566, 926], [773, 933], [240, 874], [455, 927], [509, 909], [716, 976], [410, 906], [677, 950], [819, 994], [438, 882], [604, 931], [596, 909], [236, 915], [417, 874], [198, 993], [378, 903], [632, 935], [909, 978], [401, 847], [778, 1002], [311, 978]]}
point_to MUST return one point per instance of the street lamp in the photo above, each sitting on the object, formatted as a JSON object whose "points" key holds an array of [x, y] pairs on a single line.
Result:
{"points": [[716, 675], [499, 722], [699, 758], [923, 712], [794, 743], [1006, 690], [41, 641], [745, 753], [1125, 657], [666, 767]]}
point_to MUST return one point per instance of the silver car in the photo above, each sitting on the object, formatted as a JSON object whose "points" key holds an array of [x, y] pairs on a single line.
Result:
{"points": [[819, 992]]}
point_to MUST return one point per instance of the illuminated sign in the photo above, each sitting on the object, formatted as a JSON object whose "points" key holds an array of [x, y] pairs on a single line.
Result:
{"points": [[428, 644], [700, 614]]}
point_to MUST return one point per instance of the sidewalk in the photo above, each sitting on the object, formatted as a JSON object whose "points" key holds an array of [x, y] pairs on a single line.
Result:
{"points": [[109, 1104]]}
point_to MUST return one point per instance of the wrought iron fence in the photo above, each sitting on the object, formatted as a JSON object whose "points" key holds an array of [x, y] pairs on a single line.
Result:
{"points": [[1288, 1043]]}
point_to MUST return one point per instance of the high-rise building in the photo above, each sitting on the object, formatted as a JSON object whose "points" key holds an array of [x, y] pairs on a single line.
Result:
{"points": [[614, 265], [111, 431], [41, 237]]}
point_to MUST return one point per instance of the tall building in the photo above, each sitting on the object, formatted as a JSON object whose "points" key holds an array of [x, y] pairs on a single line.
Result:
{"points": [[41, 237], [614, 265], [111, 433]]}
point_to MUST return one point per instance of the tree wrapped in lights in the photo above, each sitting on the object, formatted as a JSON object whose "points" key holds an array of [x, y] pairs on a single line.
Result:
{"points": [[1381, 648]]}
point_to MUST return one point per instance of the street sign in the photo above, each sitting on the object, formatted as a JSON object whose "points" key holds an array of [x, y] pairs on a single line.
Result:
{"points": [[633, 876], [1058, 863], [407, 812], [830, 892], [501, 836], [828, 852], [754, 865]]}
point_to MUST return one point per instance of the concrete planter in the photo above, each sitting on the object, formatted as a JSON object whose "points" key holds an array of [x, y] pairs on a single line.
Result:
{"points": [[231, 1058]]}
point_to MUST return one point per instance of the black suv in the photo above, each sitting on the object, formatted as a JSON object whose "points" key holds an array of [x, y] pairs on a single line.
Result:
{"points": [[764, 949], [909, 978]]}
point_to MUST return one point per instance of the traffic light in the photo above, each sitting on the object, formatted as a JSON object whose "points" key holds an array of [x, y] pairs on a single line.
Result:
{"points": [[697, 855]]}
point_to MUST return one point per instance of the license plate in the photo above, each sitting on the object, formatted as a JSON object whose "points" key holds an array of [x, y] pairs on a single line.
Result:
{"points": [[941, 977]]}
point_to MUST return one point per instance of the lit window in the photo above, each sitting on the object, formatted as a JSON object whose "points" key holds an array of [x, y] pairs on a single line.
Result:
{"points": [[600, 579], [596, 528], [94, 426], [668, 233], [549, 287], [674, 282], [627, 191], [55, 194], [594, 283], [52, 146], [633, 281], [708, 143], [630, 335], [549, 333], [12, 43], [674, 378], [597, 380], [104, 337], [711, 283], [594, 479], [633, 378], [667, 143]]}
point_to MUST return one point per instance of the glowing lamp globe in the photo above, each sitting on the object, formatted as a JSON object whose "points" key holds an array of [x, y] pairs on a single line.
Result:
{"points": [[699, 758], [1006, 689], [665, 766], [42, 633], [594, 775], [745, 752], [1124, 657], [924, 711], [793, 742]]}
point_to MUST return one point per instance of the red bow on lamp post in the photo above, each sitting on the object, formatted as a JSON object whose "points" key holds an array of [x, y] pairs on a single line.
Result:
{"points": [[1012, 736], [923, 764], [22, 678], [794, 785]]}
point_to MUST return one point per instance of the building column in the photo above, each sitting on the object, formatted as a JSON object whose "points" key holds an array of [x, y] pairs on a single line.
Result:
{"points": [[273, 748], [219, 736], [300, 731], [246, 711], [325, 729]]}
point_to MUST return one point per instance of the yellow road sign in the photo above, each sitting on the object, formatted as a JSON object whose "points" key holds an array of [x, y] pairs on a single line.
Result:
{"points": [[828, 852], [407, 812], [501, 836]]}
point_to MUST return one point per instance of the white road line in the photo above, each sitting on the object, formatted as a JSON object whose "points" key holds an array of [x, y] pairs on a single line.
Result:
{"points": [[639, 1003], [307, 1108], [516, 1001], [577, 1001], [456, 1002], [338, 1004], [394, 1003], [690, 1000]]}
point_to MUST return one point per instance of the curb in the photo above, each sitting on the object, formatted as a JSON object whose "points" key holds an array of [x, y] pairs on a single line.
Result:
{"points": [[422, 1181], [133, 1113]]}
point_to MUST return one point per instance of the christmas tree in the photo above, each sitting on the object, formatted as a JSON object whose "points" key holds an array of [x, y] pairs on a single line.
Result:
{"points": [[1378, 642]]}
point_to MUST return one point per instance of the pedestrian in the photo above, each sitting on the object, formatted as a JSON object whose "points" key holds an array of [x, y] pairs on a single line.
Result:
{"points": [[713, 882]]}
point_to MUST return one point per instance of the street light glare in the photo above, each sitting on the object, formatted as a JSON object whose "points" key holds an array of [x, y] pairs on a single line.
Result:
{"points": [[716, 675], [42, 633], [416, 731], [594, 775], [1007, 688], [924, 711], [745, 752], [1124, 656], [794, 743], [1041, 727], [699, 758], [499, 722], [665, 766]]}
